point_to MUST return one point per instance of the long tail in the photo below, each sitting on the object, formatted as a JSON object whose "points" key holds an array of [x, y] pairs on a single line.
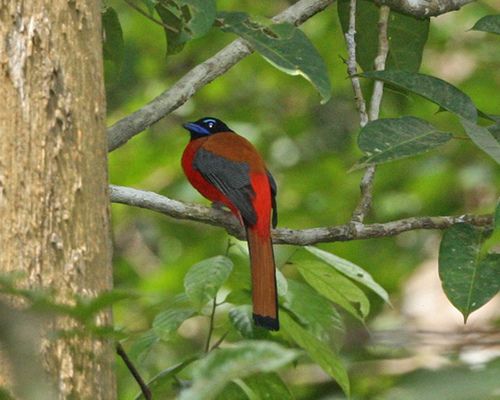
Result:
{"points": [[264, 291]]}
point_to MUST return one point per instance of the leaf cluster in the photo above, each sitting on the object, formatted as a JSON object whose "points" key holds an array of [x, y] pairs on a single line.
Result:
{"points": [[310, 324]]}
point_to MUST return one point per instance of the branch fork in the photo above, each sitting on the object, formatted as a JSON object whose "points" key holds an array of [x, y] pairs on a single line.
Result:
{"points": [[186, 87]]}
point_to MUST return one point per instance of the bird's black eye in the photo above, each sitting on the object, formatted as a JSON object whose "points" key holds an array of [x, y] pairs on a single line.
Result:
{"points": [[211, 124]]}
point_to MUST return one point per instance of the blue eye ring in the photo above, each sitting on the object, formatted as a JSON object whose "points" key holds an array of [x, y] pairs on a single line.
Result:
{"points": [[210, 122]]}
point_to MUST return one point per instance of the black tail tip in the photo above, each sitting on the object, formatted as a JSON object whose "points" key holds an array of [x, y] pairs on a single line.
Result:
{"points": [[270, 323]]}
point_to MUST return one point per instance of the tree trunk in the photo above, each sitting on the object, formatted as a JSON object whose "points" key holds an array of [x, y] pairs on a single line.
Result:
{"points": [[54, 206]]}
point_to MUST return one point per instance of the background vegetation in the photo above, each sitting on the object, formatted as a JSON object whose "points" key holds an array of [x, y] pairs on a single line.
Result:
{"points": [[310, 148]]}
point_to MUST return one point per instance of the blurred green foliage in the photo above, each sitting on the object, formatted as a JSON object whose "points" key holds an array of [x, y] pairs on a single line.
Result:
{"points": [[309, 147]]}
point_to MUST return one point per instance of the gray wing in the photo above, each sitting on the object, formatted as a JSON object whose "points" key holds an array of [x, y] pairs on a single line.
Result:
{"points": [[232, 178]]}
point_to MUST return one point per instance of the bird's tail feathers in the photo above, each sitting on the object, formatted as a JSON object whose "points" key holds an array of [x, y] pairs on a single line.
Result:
{"points": [[264, 290]]}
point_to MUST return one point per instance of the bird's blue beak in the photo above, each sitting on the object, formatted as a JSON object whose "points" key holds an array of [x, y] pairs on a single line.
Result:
{"points": [[195, 128], [189, 125]]}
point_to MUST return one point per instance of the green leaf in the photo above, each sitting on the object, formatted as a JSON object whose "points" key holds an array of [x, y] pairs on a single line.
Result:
{"points": [[319, 351], [489, 23], [142, 345], [166, 376], [234, 391], [240, 296], [489, 117], [242, 320], [284, 46], [335, 287], [495, 131], [315, 312], [391, 139], [112, 36], [268, 387], [256, 387], [112, 47], [367, 14], [434, 89], [185, 20], [150, 4], [240, 278], [180, 300], [457, 382], [351, 270], [407, 36], [167, 322], [243, 359], [204, 279], [281, 283], [468, 280], [482, 138]]}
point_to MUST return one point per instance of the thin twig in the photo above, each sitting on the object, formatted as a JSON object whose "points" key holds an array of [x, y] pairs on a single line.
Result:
{"points": [[144, 388], [301, 237], [366, 184], [211, 325], [219, 342], [199, 76], [150, 17], [379, 62], [366, 190], [350, 38]]}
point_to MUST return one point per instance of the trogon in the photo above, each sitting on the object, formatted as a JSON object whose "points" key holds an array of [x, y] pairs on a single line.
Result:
{"points": [[226, 168]]}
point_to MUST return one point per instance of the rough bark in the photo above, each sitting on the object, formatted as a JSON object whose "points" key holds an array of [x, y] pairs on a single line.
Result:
{"points": [[424, 8], [54, 203]]}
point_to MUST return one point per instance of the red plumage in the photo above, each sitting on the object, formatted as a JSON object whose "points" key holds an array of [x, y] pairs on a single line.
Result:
{"points": [[226, 168]]}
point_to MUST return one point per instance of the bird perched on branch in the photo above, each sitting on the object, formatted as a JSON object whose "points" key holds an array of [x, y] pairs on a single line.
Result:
{"points": [[226, 168]]}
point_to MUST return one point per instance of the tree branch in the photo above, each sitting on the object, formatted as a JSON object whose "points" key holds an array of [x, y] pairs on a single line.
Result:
{"points": [[146, 392], [424, 8], [176, 209], [379, 62], [366, 190], [367, 180], [352, 70], [199, 76], [211, 325], [366, 185], [300, 237]]}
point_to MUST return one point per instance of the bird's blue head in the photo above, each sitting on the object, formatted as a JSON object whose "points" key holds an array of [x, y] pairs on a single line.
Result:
{"points": [[205, 127]]}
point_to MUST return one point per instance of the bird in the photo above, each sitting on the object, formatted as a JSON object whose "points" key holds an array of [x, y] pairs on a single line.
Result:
{"points": [[227, 169]]}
